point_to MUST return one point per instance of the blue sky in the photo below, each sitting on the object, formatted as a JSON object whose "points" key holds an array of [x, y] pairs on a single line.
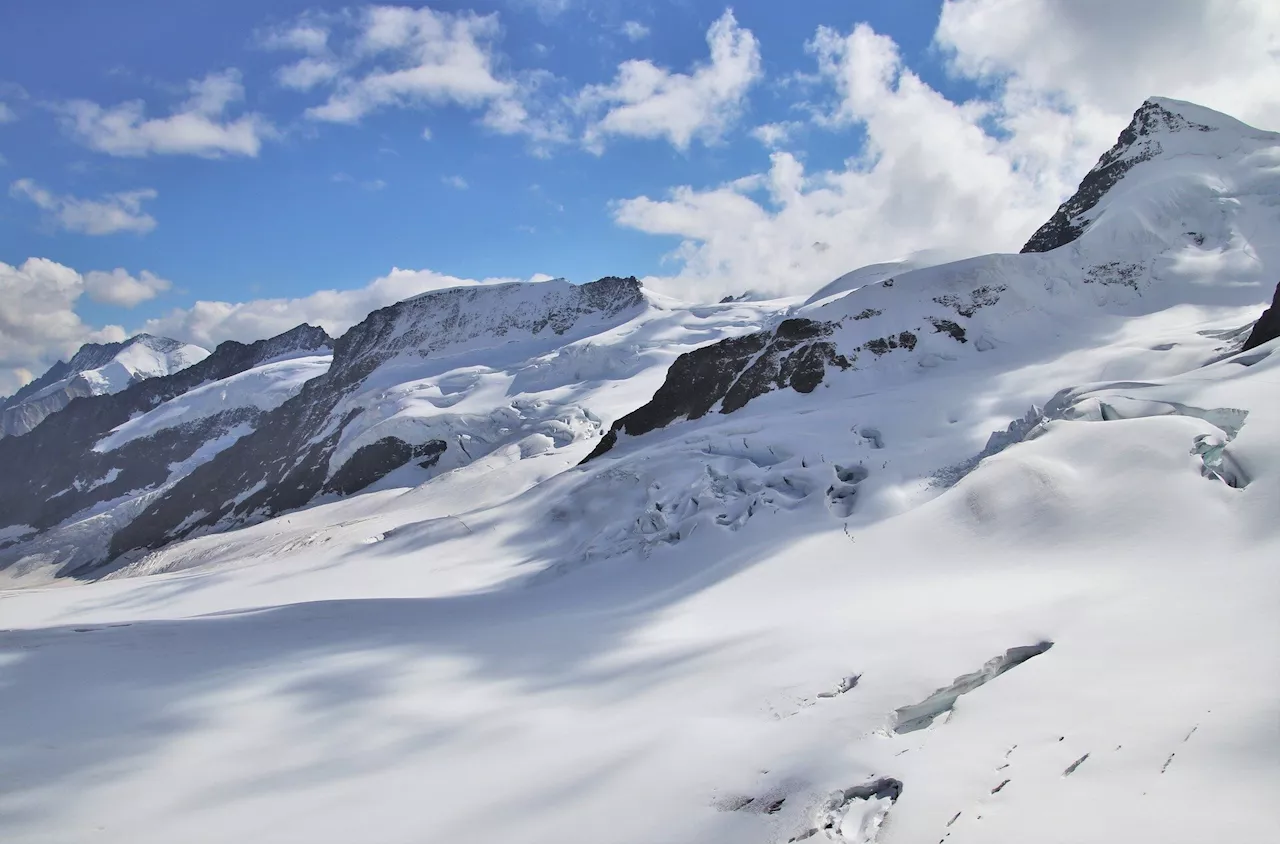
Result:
{"points": [[280, 222], [297, 161]]}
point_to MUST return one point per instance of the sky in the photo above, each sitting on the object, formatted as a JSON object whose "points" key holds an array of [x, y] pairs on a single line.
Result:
{"points": [[226, 169]]}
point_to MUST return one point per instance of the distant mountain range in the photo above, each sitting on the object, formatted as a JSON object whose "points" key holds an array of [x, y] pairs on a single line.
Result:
{"points": [[165, 441]]}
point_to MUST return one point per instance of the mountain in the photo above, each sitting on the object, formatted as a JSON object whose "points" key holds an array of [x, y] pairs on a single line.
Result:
{"points": [[414, 391], [90, 466], [1182, 196], [970, 551], [96, 369]]}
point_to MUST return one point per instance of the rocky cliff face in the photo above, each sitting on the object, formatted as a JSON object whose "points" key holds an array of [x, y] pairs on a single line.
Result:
{"points": [[1125, 258], [1139, 142], [286, 462], [732, 373], [1267, 327], [60, 469]]}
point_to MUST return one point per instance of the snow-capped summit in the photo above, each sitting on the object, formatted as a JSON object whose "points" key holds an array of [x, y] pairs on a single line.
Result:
{"points": [[1161, 127], [96, 369], [1181, 211], [394, 396]]}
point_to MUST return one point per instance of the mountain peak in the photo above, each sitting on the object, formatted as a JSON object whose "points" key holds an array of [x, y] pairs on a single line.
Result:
{"points": [[1160, 126], [95, 369]]}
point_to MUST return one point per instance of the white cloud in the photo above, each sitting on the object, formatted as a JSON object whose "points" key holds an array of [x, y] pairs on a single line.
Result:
{"points": [[1224, 54], [547, 9], [774, 135], [199, 126], [307, 35], [7, 114], [208, 323], [978, 176], [426, 133], [435, 58], [110, 214], [647, 101], [307, 73], [455, 182], [634, 31], [38, 322], [121, 289]]}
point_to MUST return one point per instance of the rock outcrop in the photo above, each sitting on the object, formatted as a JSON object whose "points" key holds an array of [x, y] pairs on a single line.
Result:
{"points": [[1267, 327]]}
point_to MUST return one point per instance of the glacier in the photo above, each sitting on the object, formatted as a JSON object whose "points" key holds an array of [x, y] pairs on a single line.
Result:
{"points": [[614, 607]]}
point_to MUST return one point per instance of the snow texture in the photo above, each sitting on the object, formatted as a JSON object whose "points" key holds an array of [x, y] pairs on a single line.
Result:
{"points": [[748, 627], [95, 370]]}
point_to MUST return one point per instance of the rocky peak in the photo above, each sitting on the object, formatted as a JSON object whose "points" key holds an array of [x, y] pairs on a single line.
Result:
{"points": [[1139, 141], [476, 317]]}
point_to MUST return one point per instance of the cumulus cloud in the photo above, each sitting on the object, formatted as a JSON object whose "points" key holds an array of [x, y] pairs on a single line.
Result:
{"points": [[123, 290], [1064, 77], [435, 58], [38, 322], [1224, 54], [648, 101], [775, 135], [385, 57], [110, 214], [207, 323], [309, 34], [307, 73], [199, 125]]}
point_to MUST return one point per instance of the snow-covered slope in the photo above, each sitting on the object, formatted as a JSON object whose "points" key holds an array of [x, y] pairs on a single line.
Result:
{"points": [[436, 382], [1180, 214], [979, 552], [90, 468], [95, 370]]}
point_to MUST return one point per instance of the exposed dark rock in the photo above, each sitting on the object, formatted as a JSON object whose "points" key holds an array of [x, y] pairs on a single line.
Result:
{"points": [[946, 326], [868, 313], [979, 298], [1267, 327], [1071, 769], [53, 472], [1115, 273], [284, 463], [733, 372], [376, 460], [1134, 146], [884, 345]]}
